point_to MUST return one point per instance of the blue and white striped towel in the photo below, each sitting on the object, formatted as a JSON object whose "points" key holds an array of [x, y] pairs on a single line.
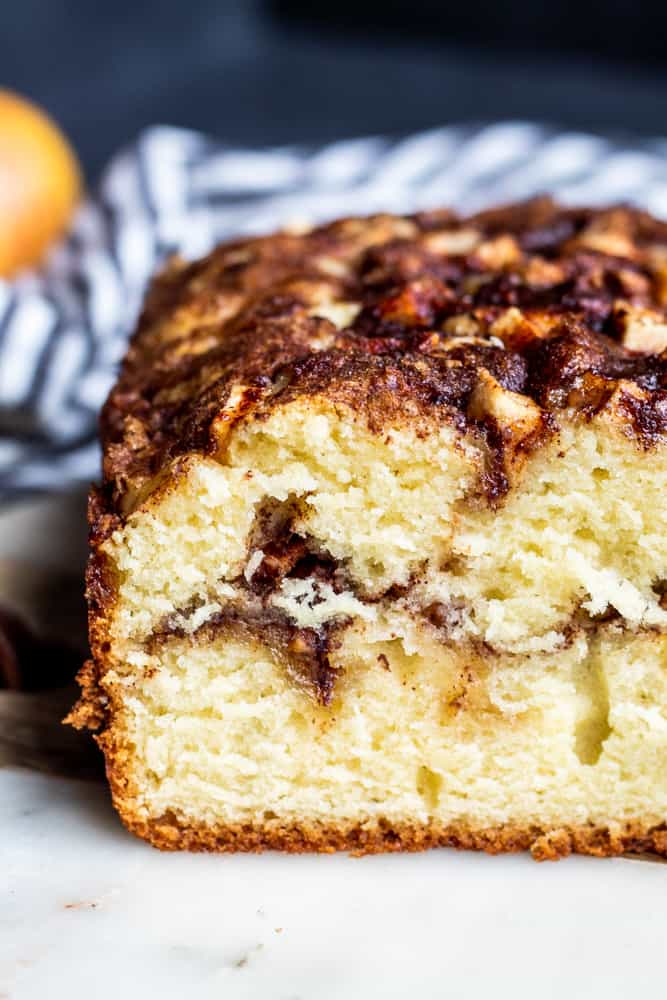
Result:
{"points": [[63, 331]]}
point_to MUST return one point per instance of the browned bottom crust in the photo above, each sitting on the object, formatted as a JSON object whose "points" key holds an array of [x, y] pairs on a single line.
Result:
{"points": [[168, 833]]}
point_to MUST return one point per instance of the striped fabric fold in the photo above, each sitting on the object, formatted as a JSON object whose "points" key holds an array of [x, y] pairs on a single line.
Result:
{"points": [[64, 330]]}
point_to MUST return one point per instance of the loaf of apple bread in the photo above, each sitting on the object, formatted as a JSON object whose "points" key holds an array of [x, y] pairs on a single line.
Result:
{"points": [[379, 558]]}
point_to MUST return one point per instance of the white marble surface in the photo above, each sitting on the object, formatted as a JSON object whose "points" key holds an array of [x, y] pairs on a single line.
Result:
{"points": [[88, 911]]}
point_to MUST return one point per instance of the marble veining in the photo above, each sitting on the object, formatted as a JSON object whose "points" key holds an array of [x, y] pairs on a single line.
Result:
{"points": [[86, 910]]}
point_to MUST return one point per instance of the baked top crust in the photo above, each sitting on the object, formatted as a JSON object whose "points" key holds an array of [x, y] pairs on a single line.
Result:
{"points": [[400, 318]]}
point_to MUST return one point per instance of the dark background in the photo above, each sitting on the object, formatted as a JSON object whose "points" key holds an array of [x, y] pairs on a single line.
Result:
{"points": [[281, 71]]}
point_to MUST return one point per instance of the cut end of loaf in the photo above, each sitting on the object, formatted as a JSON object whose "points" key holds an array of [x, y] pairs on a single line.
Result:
{"points": [[387, 570]]}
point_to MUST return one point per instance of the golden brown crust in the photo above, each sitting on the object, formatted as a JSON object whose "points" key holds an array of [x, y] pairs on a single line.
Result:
{"points": [[89, 711], [169, 834]]}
